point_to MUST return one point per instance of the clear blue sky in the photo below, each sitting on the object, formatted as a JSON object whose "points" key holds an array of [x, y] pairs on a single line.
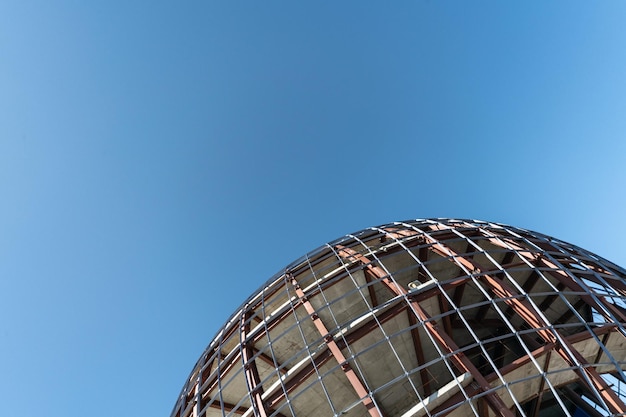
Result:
{"points": [[160, 160]]}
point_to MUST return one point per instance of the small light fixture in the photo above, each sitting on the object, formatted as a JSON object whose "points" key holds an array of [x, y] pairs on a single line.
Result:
{"points": [[413, 285], [418, 285]]}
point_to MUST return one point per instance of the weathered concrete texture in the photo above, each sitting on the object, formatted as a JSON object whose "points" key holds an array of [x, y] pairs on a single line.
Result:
{"points": [[425, 317]]}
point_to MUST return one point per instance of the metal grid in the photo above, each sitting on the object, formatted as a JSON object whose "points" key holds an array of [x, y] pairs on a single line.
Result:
{"points": [[436, 317]]}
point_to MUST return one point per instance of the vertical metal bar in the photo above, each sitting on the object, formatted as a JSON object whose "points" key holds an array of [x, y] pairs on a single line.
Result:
{"points": [[250, 369], [444, 307], [546, 366], [371, 290], [526, 311], [196, 394], [419, 353], [354, 380], [457, 357]]}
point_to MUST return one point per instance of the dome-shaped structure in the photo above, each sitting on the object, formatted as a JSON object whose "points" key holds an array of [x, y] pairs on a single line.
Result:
{"points": [[424, 318]]}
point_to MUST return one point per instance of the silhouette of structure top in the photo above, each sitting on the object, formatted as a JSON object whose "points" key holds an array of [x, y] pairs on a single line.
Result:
{"points": [[436, 317]]}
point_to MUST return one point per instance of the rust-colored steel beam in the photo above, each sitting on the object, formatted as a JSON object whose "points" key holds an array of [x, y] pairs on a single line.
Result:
{"points": [[470, 265], [371, 290], [513, 366], [542, 386], [229, 408], [270, 324], [575, 338], [560, 265], [549, 300], [445, 341], [527, 312], [612, 400], [287, 311], [323, 356], [605, 338], [354, 380], [278, 318], [482, 312], [569, 313], [249, 365], [537, 259], [444, 306], [458, 295], [214, 382], [422, 255], [298, 378], [578, 400], [207, 363], [527, 286], [483, 408], [566, 280], [265, 358], [419, 353]]}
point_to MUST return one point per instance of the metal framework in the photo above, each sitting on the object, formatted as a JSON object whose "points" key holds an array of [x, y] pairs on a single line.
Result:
{"points": [[437, 317]]}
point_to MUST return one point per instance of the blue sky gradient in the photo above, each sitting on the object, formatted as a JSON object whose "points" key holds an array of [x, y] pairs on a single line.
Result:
{"points": [[159, 161]]}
